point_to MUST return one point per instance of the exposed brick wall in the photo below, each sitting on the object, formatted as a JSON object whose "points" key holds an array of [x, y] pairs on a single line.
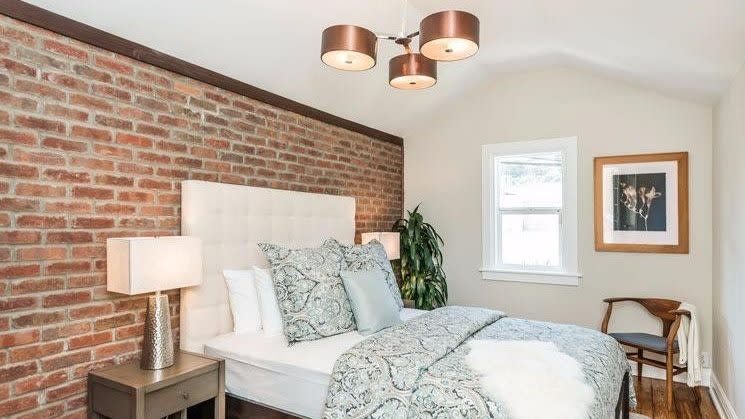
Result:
{"points": [[93, 145]]}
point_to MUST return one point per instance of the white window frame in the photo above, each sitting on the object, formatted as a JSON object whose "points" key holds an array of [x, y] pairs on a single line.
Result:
{"points": [[568, 272]]}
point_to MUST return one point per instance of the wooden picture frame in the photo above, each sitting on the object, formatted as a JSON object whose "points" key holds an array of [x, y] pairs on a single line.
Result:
{"points": [[641, 203]]}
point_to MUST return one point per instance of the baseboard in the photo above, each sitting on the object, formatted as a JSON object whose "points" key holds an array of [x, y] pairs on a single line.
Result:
{"points": [[721, 402], [659, 374]]}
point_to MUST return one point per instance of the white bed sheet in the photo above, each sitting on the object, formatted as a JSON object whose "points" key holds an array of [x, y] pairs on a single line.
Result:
{"points": [[264, 370]]}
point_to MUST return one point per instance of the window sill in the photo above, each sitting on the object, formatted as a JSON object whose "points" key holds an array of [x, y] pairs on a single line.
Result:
{"points": [[534, 277]]}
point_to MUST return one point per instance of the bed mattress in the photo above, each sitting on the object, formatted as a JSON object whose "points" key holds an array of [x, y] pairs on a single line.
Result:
{"points": [[265, 370]]}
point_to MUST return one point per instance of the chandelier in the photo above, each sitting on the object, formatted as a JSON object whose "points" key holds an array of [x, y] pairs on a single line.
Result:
{"points": [[449, 35]]}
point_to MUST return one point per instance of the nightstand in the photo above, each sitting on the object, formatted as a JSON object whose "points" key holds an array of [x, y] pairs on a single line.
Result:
{"points": [[126, 391]]}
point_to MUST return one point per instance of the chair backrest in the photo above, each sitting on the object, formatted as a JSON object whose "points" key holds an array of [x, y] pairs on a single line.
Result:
{"points": [[660, 307]]}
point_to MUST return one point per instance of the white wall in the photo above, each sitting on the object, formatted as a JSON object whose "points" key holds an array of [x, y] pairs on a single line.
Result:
{"points": [[729, 244], [443, 170]]}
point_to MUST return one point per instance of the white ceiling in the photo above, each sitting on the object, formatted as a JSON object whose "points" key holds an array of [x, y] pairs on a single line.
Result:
{"points": [[688, 48]]}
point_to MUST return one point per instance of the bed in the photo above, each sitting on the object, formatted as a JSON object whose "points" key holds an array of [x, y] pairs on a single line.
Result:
{"points": [[310, 379]]}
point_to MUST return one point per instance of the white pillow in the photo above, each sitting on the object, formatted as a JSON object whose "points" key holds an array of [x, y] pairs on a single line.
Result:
{"points": [[271, 317], [244, 303]]}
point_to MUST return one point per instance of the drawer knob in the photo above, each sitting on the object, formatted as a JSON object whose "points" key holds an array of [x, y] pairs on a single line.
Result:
{"points": [[185, 396]]}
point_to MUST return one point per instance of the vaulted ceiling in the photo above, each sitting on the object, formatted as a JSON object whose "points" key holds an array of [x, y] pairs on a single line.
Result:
{"points": [[690, 49]]}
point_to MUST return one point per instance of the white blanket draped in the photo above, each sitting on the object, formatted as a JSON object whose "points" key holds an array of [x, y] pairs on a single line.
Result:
{"points": [[689, 342], [532, 379]]}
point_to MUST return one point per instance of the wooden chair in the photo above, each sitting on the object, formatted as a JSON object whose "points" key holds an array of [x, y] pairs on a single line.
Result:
{"points": [[667, 345]]}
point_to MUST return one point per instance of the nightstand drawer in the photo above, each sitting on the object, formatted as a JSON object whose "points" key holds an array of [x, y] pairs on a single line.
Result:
{"points": [[179, 396]]}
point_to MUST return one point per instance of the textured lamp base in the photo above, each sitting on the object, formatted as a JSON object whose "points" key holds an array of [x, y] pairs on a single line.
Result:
{"points": [[157, 346]]}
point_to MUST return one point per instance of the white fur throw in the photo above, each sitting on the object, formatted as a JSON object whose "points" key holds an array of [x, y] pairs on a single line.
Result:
{"points": [[532, 379]]}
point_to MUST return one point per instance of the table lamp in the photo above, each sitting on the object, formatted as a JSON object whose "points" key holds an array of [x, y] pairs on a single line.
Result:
{"points": [[139, 265], [391, 242]]}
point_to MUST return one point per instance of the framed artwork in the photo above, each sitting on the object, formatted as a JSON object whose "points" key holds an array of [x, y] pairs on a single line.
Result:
{"points": [[641, 203]]}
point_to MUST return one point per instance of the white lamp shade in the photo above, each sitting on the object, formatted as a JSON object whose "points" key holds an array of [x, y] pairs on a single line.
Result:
{"points": [[138, 265], [390, 241]]}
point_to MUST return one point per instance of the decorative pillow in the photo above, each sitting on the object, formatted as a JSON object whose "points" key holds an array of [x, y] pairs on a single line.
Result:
{"points": [[271, 317], [372, 303], [369, 256], [244, 304], [309, 290]]}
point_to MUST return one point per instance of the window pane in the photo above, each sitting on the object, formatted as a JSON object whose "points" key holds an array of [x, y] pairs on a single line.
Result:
{"points": [[530, 239], [532, 180]]}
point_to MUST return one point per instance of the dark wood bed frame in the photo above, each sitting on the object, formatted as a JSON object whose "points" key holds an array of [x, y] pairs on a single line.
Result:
{"points": [[241, 409]]}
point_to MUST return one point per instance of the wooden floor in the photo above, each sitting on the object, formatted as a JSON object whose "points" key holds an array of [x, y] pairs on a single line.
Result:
{"points": [[690, 403]]}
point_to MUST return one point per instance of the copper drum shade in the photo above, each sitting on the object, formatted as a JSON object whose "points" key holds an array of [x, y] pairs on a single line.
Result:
{"points": [[449, 36], [348, 47], [412, 71]]}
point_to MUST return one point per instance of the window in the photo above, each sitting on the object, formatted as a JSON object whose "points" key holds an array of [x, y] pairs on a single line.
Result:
{"points": [[530, 211]]}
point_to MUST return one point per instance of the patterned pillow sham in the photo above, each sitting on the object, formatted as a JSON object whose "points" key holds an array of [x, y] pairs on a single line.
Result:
{"points": [[368, 256], [310, 291]]}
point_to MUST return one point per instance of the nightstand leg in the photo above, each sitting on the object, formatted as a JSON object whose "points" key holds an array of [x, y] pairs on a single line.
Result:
{"points": [[183, 414]]}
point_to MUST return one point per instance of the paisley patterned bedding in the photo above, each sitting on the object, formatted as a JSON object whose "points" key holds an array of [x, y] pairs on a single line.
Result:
{"points": [[418, 369]]}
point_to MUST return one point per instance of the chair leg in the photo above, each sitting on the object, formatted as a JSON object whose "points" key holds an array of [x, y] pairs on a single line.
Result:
{"points": [[669, 380], [639, 365]]}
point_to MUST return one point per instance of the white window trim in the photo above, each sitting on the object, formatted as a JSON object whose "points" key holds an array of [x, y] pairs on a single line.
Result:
{"points": [[569, 272]]}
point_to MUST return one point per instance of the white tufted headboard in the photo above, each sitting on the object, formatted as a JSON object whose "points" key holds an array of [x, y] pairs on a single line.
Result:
{"points": [[231, 220]]}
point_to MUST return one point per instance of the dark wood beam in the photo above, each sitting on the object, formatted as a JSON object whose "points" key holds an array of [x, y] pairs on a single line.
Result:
{"points": [[84, 33]]}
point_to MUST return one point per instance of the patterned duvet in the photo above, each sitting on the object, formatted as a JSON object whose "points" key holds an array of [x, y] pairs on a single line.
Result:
{"points": [[418, 369]]}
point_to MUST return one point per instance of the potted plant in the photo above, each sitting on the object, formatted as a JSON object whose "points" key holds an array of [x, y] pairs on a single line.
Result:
{"points": [[422, 276]]}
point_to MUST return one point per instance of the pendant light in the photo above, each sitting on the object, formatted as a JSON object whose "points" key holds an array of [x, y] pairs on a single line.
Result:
{"points": [[349, 47], [412, 71], [449, 36], [444, 36]]}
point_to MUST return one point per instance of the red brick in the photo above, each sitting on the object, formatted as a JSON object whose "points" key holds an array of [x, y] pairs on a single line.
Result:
{"points": [[17, 137], [70, 329], [40, 221], [114, 321], [17, 68], [61, 175], [42, 124], [41, 253], [66, 391], [19, 237], [66, 81], [38, 157], [64, 49], [36, 285], [91, 102], [110, 151], [19, 303], [18, 204], [18, 102], [134, 140], [144, 197], [94, 310], [69, 237], [114, 180], [41, 318], [18, 338], [134, 113], [114, 65], [152, 130], [19, 271], [92, 223], [95, 164], [57, 268], [114, 349], [89, 252], [39, 89], [68, 207], [47, 412], [20, 404], [90, 192], [128, 332], [18, 170], [63, 361], [91, 73], [113, 92], [91, 133], [26, 353], [86, 281], [13, 34], [93, 339], [65, 112], [34, 189]]}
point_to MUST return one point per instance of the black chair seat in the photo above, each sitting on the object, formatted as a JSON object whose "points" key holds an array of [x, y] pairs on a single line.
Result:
{"points": [[644, 340]]}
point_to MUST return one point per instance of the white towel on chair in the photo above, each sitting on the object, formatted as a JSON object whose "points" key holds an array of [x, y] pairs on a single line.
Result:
{"points": [[689, 343]]}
